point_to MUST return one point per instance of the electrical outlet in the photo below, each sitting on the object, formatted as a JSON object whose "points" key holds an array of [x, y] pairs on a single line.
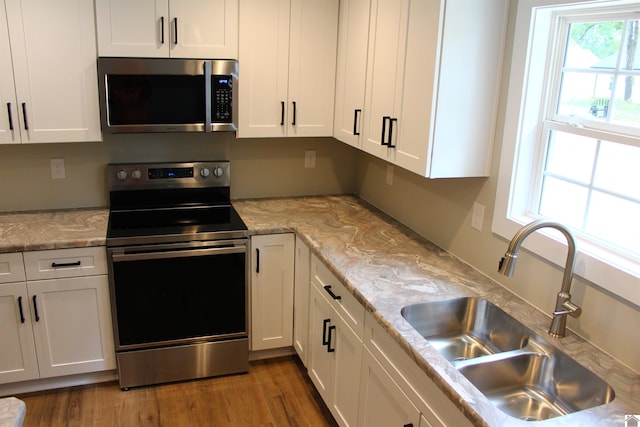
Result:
{"points": [[389, 175], [310, 159], [477, 216], [57, 169]]}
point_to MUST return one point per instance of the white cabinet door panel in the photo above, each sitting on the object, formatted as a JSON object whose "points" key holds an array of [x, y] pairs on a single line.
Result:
{"points": [[133, 28], [18, 355], [68, 314], [54, 60], [205, 29]]}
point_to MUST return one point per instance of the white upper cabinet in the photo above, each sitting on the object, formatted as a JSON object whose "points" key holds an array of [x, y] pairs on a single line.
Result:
{"points": [[287, 67], [168, 28], [351, 69], [48, 94], [432, 81]]}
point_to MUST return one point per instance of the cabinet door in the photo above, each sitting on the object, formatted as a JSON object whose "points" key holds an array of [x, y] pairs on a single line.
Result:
{"points": [[353, 38], [18, 356], [204, 28], [321, 366], [133, 28], [72, 325], [312, 67], [348, 359], [382, 402], [301, 301], [264, 67], [385, 73], [8, 104], [53, 47], [272, 273]]}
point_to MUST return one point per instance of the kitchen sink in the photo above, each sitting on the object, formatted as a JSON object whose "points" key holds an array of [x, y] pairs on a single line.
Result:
{"points": [[466, 328], [520, 372]]}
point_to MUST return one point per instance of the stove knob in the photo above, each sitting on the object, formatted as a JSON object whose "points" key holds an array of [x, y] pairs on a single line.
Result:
{"points": [[204, 172], [136, 174], [121, 175], [218, 171]]}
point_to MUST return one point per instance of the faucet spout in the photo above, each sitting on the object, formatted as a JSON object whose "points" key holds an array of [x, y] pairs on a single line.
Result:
{"points": [[564, 305]]}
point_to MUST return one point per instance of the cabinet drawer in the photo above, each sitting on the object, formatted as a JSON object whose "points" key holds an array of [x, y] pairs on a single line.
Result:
{"points": [[343, 301], [11, 268], [60, 263]]}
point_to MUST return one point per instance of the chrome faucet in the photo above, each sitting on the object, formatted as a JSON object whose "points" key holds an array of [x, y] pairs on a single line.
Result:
{"points": [[564, 305]]}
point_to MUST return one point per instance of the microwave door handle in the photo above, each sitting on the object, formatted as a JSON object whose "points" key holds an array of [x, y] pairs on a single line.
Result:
{"points": [[207, 96]]}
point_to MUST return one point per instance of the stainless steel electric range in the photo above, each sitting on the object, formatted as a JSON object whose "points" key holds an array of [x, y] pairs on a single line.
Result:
{"points": [[177, 253]]}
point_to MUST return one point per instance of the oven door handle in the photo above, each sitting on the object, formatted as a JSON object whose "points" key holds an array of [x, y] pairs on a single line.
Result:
{"points": [[141, 256]]}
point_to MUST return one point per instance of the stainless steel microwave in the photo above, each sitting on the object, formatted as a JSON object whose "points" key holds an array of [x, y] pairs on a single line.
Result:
{"points": [[167, 95]]}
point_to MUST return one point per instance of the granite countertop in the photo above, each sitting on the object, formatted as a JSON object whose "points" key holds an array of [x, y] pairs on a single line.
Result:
{"points": [[42, 230], [386, 266]]}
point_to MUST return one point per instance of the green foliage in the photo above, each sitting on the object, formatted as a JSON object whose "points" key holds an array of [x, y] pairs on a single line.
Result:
{"points": [[601, 38]]}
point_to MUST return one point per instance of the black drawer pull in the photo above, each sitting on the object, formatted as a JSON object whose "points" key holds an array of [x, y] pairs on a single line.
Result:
{"points": [[329, 349], [175, 29], [66, 264], [257, 260], [10, 116], [325, 322], [391, 122], [22, 319], [330, 292], [24, 116], [355, 122], [293, 123], [35, 309], [408, 425], [162, 30], [384, 129]]}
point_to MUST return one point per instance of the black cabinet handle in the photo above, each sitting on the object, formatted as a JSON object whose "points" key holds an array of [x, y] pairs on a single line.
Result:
{"points": [[257, 260], [22, 319], [35, 309], [408, 425], [325, 322], [391, 122], [334, 296], [162, 30], [281, 113], [293, 123], [355, 121], [384, 129], [329, 349], [10, 116], [66, 264], [24, 114], [175, 30]]}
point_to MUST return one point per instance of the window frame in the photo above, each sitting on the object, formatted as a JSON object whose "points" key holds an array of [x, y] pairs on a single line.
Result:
{"points": [[521, 152]]}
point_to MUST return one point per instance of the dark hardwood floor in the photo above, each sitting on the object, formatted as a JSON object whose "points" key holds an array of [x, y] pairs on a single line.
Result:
{"points": [[275, 392]]}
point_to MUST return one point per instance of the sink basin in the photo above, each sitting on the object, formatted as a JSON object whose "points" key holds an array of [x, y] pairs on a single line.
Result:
{"points": [[465, 328], [536, 387], [519, 372]]}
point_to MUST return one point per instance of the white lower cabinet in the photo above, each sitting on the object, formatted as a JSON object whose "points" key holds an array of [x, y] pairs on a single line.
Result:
{"points": [[272, 275], [335, 343], [301, 285], [436, 409], [60, 325], [363, 375], [382, 402]]}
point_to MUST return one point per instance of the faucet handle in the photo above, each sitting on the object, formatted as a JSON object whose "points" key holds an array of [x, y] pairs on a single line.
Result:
{"points": [[570, 308]]}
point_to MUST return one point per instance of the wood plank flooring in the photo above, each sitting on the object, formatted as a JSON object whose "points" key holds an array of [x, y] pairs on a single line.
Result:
{"points": [[274, 393]]}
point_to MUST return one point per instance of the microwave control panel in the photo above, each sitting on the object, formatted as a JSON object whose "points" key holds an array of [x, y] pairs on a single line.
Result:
{"points": [[222, 98]]}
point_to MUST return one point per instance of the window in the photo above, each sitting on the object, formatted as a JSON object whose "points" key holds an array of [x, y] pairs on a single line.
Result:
{"points": [[571, 149]]}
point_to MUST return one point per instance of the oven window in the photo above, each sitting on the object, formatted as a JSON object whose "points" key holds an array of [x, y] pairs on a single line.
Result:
{"points": [[179, 298], [156, 99]]}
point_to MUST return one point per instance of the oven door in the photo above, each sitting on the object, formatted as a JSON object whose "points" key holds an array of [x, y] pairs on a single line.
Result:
{"points": [[178, 293]]}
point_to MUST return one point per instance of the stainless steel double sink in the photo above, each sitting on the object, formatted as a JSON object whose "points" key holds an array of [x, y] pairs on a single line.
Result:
{"points": [[518, 371]]}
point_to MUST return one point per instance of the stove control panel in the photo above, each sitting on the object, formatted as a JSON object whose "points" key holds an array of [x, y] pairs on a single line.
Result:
{"points": [[130, 176]]}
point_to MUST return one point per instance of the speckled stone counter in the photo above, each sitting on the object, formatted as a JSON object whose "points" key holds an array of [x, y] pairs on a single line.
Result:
{"points": [[35, 231], [386, 266]]}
